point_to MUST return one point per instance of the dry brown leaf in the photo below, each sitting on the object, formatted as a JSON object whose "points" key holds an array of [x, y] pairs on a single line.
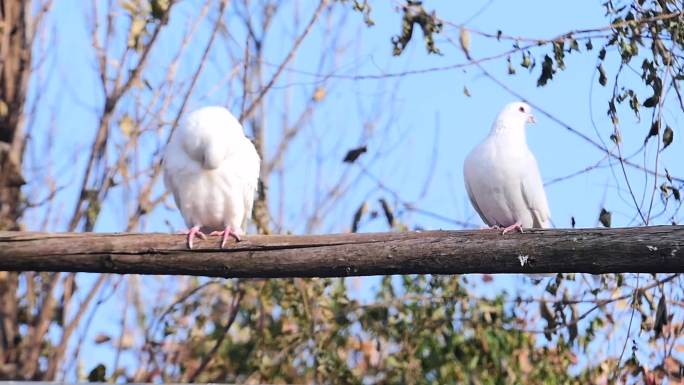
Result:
{"points": [[319, 94]]}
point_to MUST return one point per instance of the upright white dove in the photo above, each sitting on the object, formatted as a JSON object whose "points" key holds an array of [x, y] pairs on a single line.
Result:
{"points": [[212, 169], [502, 177]]}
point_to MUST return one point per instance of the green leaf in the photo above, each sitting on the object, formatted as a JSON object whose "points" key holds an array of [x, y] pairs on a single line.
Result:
{"points": [[655, 128], [660, 317], [160, 9], [668, 135], [634, 103], [547, 71], [526, 60], [354, 154], [605, 217], [573, 46], [358, 215], [603, 79], [559, 53], [651, 101], [511, 69], [414, 13], [602, 53], [616, 138], [664, 188], [550, 319], [389, 214], [572, 328], [98, 374]]}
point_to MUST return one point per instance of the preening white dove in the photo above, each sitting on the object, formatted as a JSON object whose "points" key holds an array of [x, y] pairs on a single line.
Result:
{"points": [[502, 177], [212, 170]]}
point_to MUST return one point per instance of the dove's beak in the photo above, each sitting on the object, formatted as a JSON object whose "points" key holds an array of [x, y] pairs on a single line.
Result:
{"points": [[531, 119]]}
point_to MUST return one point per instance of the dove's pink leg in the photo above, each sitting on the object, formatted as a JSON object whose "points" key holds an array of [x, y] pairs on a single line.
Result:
{"points": [[228, 232], [195, 230], [515, 226]]}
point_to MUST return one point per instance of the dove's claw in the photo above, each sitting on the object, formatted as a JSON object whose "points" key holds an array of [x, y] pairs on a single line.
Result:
{"points": [[228, 232], [195, 230], [515, 226]]}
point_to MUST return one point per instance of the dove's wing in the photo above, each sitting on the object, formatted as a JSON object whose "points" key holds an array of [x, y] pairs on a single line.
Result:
{"points": [[172, 186], [249, 173], [473, 200], [478, 182], [178, 166], [533, 193]]}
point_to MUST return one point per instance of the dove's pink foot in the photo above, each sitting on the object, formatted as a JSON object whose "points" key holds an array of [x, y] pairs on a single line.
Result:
{"points": [[228, 232], [195, 230], [515, 226]]}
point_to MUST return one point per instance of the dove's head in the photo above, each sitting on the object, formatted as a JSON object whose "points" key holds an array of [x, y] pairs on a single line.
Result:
{"points": [[212, 121], [210, 134], [514, 116]]}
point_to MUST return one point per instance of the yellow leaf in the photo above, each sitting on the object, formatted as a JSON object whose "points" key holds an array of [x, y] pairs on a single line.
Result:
{"points": [[137, 27], [319, 94], [126, 125], [671, 365], [159, 8], [622, 304], [102, 338], [464, 39], [124, 171], [126, 341], [4, 109], [129, 6]]}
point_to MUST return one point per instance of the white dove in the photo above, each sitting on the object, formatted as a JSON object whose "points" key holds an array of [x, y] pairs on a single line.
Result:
{"points": [[502, 177], [212, 170]]}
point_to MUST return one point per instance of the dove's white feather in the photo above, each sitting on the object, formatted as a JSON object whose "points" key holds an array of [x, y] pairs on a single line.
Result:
{"points": [[212, 170], [502, 176]]}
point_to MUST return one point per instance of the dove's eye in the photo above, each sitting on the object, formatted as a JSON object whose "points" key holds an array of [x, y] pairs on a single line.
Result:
{"points": [[521, 109]]}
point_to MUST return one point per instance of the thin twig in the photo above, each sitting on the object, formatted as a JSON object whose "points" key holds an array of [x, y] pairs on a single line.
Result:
{"points": [[234, 308], [248, 112]]}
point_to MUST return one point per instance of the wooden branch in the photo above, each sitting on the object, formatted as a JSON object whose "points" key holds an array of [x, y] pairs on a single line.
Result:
{"points": [[657, 249]]}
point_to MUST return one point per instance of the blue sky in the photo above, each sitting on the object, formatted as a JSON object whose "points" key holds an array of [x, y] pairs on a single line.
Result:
{"points": [[418, 128]]}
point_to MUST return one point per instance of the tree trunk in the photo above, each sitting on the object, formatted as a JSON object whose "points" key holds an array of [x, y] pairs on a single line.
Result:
{"points": [[15, 68]]}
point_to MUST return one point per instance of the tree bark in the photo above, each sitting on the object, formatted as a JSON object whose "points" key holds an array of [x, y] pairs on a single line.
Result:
{"points": [[657, 249], [15, 68], [14, 73]]}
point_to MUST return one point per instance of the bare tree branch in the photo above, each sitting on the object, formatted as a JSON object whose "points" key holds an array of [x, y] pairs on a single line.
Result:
{"points": [[317, 13], [38, 330], [70, 327], [234, 307]]}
